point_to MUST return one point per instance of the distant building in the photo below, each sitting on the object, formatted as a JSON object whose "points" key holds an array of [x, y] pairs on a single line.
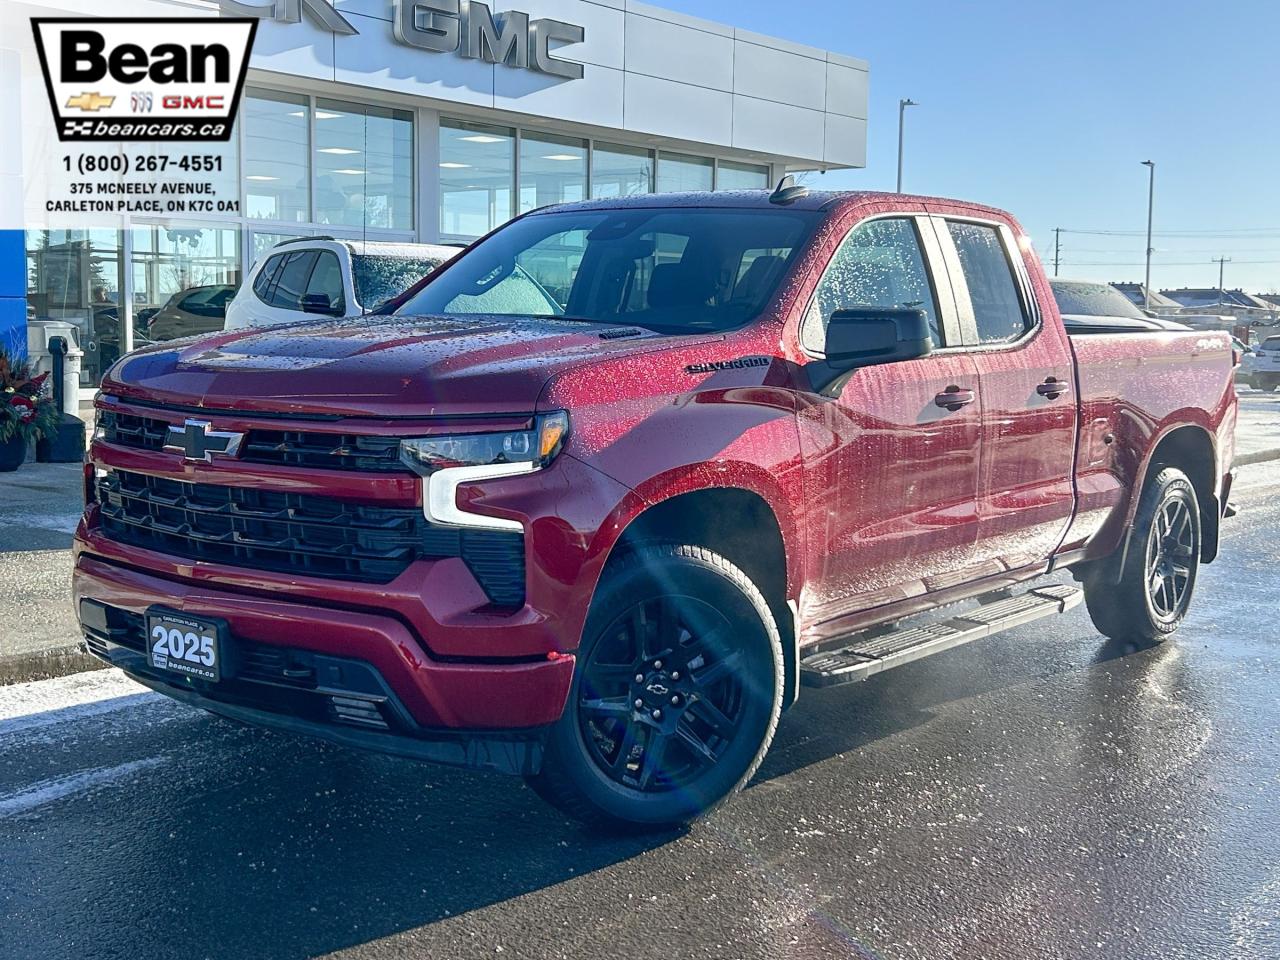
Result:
{"points": [[1137, 293], [1236, 303]]}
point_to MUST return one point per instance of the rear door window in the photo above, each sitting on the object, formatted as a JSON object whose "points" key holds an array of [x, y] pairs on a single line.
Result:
{"points": [[292, 282], [266, 277], [998, 309]]}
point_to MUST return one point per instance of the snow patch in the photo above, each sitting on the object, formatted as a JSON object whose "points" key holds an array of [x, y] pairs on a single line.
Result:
{"points": [[42, 703]]}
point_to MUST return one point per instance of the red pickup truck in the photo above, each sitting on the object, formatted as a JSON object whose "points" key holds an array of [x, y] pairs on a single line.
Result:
{"points": [[594, 502]]}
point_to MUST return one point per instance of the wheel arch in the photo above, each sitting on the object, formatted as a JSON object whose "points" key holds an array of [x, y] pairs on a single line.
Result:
{"points": [[1189, 448]]}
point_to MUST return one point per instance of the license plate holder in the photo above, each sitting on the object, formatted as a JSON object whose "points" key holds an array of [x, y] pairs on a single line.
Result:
{"points": [[186, 645]]}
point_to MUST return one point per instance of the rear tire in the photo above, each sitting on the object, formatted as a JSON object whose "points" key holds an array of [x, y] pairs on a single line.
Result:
{"points": [[1151, 598], [676, 695]]}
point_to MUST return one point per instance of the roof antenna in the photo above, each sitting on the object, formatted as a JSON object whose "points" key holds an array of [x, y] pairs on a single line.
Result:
{"points": [[788, 191]]}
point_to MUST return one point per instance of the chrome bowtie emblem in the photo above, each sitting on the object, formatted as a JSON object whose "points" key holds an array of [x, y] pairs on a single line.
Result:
{"points": [[195, 441], [657, 689]]}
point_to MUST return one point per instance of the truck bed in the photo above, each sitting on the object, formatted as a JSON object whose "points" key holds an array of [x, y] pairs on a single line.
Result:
{"points": [[1133, 389]]}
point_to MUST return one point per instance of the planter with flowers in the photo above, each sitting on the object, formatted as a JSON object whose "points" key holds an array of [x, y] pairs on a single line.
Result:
{"points": [[27, 412]]}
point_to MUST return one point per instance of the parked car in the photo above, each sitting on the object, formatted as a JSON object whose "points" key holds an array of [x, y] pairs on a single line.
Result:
{"points": [[1088, 307], [1261, 368], [602, 541], [338, 278], [190, 312]]}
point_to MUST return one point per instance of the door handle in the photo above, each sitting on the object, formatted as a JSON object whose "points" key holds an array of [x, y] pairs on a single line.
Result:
{"points": [[1053, 389], [953, 398]]}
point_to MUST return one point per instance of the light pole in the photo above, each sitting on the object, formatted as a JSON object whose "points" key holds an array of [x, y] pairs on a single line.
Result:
{"points": [[902, 109], [1151, 203]]}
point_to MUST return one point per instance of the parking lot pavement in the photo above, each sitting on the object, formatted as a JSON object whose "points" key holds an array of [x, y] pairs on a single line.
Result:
{"points": [[42, 503], [1258, 430], [1043, 794]]}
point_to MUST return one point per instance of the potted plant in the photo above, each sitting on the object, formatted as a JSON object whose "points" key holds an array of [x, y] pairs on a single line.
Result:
{"points": [[27, 411]]}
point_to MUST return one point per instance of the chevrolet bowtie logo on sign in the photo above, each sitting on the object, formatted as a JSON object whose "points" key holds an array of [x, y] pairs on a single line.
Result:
{"points": [[91, 102], [183, 75], [195, 441]]}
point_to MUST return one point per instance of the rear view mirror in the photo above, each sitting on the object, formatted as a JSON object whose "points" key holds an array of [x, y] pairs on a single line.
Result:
{"points": [[867, 336]]}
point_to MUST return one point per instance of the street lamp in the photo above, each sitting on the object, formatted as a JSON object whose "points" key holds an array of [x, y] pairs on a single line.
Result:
{"points": [[1151, 202], [902, 109]]}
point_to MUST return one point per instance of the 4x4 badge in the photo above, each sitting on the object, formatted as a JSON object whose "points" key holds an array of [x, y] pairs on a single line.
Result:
{"points": [[195, 441]]}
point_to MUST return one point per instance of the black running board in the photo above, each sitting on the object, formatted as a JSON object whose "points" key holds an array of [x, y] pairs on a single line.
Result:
{"points": [[864, 655]]}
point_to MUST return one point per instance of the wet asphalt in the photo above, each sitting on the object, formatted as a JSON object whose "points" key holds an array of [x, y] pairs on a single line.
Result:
{"points": [[1041, 794]]}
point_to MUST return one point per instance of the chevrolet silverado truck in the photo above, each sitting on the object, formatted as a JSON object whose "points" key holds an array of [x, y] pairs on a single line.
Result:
{"points": [[596, 499]]}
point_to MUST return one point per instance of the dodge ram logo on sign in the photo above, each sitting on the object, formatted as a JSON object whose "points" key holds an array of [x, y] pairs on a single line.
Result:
{"points": [[144, 78]]}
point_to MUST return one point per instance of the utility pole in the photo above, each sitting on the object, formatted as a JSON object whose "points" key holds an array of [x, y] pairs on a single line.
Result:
{"points": [[1151, 203], [1057, 248], [902, 109], [1222, 290]]}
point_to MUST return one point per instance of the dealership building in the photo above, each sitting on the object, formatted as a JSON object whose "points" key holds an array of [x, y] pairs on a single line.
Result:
{"points": [[431, 121]]}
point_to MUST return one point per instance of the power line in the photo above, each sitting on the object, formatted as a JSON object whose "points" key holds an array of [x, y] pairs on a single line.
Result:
{"points": [[1244, 233], [1162, 263]]}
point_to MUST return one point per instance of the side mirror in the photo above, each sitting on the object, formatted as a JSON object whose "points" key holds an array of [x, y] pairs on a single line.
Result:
{"points": [[319, 303], [866, 336]]}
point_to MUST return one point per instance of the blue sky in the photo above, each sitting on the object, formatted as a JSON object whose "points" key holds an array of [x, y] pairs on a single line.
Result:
{"points": [[1047, 109]]}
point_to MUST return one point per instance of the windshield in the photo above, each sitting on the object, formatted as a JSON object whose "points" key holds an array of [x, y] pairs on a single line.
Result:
{"points": [[674, 271], [1271, 343], [1094, 300], [378, 279]]}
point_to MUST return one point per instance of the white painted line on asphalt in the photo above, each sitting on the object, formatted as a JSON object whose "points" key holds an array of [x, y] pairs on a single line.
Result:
{"points": [[58, 522], [42, 703], [47, 791]]}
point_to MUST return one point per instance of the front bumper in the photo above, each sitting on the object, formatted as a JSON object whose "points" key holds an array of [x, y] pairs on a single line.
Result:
{"points": [[328, 652]]}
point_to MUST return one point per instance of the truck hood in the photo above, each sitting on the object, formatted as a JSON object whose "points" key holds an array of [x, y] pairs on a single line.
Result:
{"points": [[374, 366]]}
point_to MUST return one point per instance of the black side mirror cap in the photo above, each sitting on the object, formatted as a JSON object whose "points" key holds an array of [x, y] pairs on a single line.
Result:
{"points": [[867, 336], [319, 303]]}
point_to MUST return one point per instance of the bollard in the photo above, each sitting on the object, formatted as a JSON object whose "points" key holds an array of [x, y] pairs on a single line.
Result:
{"points": [[67, 443], [58, 349]]}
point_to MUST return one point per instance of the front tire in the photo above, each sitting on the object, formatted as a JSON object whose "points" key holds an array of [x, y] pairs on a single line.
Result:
{"points": [[1153, 594], [676, 696]]}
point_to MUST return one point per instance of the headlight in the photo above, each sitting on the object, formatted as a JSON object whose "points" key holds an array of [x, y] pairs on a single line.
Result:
{"points": [[446, 462], [533, 448]]}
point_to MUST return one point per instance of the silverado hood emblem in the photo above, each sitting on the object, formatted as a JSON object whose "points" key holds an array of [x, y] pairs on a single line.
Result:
{"points": [[195, 441]]}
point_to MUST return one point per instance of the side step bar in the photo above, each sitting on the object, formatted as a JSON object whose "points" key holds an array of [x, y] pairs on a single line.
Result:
{"points": [[867, 654]]}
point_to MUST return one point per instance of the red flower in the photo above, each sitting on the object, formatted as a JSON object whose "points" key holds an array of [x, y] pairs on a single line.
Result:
{"points": [[26, 407]]}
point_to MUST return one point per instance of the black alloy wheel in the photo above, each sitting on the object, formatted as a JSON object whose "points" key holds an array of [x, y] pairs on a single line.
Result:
{"points": [[660, 696], [676, 695]]}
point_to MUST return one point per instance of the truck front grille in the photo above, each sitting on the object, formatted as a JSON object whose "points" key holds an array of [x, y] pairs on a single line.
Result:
{"points": [[295, 448], [299, 533]]}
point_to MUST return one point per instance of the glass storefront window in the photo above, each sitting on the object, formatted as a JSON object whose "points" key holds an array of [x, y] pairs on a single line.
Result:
{"points": [[678, 173], [477, 173], [182, 278], [276, 153], [364, 166], [618, 171], [731, 175], [260, 243], [75, 275], [552, 170]]}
